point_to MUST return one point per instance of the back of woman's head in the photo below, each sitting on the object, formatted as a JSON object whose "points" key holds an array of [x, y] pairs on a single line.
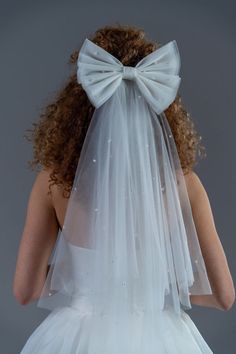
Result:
{"points": [[59, 134]]}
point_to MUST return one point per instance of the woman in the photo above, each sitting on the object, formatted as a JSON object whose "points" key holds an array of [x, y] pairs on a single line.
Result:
{"points": [[58, 140]]}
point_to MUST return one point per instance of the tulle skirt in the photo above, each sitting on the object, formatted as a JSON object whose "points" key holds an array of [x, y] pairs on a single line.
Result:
{"points": [[76, 329]]}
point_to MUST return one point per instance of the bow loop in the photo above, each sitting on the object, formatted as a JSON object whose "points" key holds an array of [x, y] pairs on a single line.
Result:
{"points": [[156, 75]]}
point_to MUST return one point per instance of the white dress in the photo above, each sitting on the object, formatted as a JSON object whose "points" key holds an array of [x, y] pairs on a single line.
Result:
{"points": [[74, 330]]}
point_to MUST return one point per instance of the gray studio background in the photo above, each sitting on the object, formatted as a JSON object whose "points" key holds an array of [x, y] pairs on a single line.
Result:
{"points": [[36, 39]]}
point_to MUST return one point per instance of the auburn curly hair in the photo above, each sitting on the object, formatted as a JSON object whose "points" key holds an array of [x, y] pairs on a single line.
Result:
{"points": [[59, 134]]}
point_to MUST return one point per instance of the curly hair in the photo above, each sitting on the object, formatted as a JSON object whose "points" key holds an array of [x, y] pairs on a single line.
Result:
{"points": [[59, 134]]}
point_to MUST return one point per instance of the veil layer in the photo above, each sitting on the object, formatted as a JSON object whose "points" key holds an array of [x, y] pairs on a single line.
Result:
{"points": [[128, 243]]}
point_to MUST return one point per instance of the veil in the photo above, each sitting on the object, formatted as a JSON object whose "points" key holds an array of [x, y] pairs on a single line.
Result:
{"points": [[128, 242]]}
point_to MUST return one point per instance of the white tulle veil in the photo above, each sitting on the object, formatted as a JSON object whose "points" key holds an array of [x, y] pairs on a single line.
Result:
{"points": [[128, 243]]}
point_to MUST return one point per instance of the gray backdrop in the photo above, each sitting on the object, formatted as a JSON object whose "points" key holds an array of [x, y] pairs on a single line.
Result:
{"points": [[36, 39]]}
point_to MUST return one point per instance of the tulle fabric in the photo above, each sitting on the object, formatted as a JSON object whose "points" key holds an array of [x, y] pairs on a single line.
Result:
{"points": [[77, 330], [128, 239]]}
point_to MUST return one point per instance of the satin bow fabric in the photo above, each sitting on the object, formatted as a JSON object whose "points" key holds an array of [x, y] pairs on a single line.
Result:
{"points": [[156, 75]]}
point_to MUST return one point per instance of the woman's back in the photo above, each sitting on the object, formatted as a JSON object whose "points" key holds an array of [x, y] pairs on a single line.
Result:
{"points": [[54, 207]]}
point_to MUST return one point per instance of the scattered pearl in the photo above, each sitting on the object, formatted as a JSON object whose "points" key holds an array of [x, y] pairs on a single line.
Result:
{"points": [[94, 160], [109, 140], [196, 261], [96, 209], [50, 294], [170, 135]]}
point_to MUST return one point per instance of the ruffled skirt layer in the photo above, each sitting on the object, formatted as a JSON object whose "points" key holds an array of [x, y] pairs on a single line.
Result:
{"points": [[76, 330]]}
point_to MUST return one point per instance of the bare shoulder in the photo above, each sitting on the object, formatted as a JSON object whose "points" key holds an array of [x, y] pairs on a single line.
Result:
{"points": [[200, 204], [41, 187], [41, 217], [41, 183], [55, 200], [191, 177], [194, 185]]}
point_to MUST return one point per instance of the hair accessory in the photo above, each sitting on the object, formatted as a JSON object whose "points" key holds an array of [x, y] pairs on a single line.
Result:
{"points": [[156, 75]]}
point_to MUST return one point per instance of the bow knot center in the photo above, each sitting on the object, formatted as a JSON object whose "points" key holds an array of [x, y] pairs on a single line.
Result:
{"points": [[129, 72]]}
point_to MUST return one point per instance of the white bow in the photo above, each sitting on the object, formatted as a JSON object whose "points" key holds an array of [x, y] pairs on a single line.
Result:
{"points": [[156, 75]]}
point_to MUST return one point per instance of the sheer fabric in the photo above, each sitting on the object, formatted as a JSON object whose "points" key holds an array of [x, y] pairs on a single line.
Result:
{"points": [[128, 244]]}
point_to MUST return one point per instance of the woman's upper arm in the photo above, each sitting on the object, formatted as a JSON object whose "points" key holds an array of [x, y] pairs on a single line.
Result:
{"points": [[38, 238], [212, 250]]}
